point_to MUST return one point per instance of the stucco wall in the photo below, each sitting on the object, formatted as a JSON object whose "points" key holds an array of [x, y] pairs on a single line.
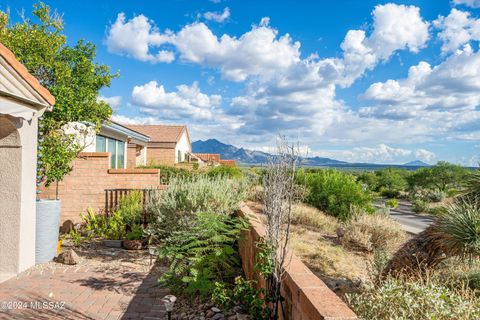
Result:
{"points": [[10, 194], [18, 156], [184, 146]]}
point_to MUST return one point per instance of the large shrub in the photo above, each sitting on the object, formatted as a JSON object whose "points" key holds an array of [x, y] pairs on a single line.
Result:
{"points": [[373, 232], [167, 173], [174, 208], [335, 192], [405, 300], [225, 172]]}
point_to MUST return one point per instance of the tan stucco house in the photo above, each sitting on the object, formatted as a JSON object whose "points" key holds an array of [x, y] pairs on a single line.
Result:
{"points": [[22, 101], [168, 144]]}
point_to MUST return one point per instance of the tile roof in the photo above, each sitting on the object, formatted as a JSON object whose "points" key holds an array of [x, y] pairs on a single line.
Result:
{"points": [[23, 72], [160, 133], [209, 157]]}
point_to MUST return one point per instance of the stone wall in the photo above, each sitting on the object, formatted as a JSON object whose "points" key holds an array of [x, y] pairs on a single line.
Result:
{"points": [[85, 186], [307, 297]]}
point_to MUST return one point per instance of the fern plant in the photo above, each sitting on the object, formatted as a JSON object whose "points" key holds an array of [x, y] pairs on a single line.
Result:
{"points": [[202, 255]]}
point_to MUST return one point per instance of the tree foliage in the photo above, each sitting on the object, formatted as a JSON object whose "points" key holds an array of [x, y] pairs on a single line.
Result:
{"points": [[335, 192], [441, 176], [68, 72]]}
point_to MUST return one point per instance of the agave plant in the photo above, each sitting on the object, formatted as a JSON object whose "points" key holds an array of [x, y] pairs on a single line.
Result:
{"points": [[456, 233]]}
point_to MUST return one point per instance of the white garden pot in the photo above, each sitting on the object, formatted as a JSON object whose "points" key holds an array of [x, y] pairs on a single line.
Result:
{"points": [[47, 227]]}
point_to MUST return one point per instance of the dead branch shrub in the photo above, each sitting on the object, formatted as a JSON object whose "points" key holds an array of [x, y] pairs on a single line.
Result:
{"points": [[371, 232]]}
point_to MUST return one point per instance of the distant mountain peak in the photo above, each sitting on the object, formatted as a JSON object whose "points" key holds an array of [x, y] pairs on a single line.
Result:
{"points": [[246, 156], [417, 163]]}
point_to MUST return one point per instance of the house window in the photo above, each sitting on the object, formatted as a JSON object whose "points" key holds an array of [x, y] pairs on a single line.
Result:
{"points": [[112, 148], [116, 149], [120, 154], [179, 156], [101, 144]]}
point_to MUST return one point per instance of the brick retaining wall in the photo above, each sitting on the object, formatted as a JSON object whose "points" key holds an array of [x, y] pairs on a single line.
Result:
{"points": [[85, 185], [307, 297]]}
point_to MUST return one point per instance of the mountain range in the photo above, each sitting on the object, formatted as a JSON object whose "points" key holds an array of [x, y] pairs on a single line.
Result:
{"points": [[252, 157]]}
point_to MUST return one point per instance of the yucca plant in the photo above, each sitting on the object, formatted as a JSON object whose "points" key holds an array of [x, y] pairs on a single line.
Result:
{"points": [[471, 187], [456, 233]]}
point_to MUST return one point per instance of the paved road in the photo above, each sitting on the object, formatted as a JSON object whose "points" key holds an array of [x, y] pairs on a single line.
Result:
{"points": [[410, 221]]}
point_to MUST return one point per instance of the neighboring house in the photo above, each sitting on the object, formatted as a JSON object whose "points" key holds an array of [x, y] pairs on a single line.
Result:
{"points": [[22, 101], [127, 147], [214, 159], [168, 144]]}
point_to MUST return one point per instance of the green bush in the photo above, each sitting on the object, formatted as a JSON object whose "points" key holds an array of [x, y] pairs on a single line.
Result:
{"points": [[334, 192], [136, 233], [130, 208], [437, 211], [419, 206], [226, 172], [436, 196], [392, 203], [405, 300], [111, 227], [173, 208], [203, 254], [167, 173], [243, 294]]}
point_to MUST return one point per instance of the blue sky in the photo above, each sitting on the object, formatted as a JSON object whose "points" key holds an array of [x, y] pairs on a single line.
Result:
{"points": [[370, 81]]}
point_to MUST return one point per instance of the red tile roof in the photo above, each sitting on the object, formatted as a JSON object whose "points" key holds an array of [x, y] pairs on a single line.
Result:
{"points": [[23, 72], [228, 163], [160, 133], [208, 157]]}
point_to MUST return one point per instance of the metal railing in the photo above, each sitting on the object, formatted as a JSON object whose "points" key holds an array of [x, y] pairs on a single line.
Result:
{"points": [[114, 196]]}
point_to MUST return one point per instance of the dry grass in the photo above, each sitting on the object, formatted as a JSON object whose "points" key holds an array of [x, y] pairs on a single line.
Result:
{"points": [[313, 218], [325, 257], [370, 232]]}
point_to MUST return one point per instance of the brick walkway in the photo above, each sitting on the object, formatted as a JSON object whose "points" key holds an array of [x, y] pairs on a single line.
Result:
{"points": [[106, 284]]}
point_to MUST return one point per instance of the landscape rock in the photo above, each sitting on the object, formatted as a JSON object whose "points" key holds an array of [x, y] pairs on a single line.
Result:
{"points": [[67, 226], [69, 257], [218, 316], [340, 232], [216, 310]]}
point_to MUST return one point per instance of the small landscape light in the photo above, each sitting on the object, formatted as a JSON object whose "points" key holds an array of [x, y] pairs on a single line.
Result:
{"points": [[169, 302], [151, 252]]}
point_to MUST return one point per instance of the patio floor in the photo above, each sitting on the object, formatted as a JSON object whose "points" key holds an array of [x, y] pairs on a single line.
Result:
{"points": [[106, 284]]}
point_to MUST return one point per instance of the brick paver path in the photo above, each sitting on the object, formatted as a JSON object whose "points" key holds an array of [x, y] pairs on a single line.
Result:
{"points": [[106, 284]]}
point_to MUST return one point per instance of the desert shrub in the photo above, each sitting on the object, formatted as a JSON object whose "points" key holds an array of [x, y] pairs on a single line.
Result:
{"points": [[404, 300], [225, 172], [372, 232], [167, 173], [312, 217], [392, 203], [419, 206], [436, 196], [203, 254], [130, 208], [334, 192], [437, 211], [389, 193], [452, 192], [243, 294], [111, 227], [173, 208], [136, 232]]}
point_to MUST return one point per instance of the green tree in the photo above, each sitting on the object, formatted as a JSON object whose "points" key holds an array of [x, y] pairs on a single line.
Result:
{"points": [[68, 72], [391, 181], [441, 177]]}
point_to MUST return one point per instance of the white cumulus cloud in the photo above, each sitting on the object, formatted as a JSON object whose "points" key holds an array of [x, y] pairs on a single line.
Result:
{"points": [[185, 103], [114, 102], [468, 3], [217, 16], [136, 37], [457, 29]]}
